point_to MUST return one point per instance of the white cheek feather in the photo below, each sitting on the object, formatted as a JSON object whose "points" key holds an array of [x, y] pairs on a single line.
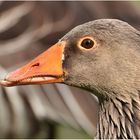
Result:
{"points": [[63, 57]]}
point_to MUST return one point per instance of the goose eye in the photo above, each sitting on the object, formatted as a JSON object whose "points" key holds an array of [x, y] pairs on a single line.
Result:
{"points": [[87, 43]]}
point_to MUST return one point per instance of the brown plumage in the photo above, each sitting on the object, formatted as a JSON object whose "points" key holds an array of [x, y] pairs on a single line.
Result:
{"points": [[111, 72]]}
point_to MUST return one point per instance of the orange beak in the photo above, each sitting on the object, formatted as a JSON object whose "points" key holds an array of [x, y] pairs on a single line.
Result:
{"points": [[46, 68]]}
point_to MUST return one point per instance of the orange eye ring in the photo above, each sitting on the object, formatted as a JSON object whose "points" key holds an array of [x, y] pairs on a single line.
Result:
{"points": [[87, 43]]}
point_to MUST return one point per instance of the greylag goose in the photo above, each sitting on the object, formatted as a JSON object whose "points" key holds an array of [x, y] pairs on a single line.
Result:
{"points": [[100, 56]]}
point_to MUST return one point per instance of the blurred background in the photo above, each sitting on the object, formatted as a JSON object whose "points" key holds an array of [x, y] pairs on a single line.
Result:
{"points": [[26, 30]]}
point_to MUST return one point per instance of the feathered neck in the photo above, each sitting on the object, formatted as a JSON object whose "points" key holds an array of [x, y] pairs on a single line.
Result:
{"points": [[119, 117]]}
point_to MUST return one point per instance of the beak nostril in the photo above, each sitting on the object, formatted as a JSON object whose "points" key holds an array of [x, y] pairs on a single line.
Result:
{"points": [[35, 65]]}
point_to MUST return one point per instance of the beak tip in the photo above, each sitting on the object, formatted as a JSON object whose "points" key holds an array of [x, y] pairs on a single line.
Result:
{"points": [[4, 82], [10, 77]]}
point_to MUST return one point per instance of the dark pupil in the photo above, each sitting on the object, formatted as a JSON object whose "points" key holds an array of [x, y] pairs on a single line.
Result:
{"points": [[87, 43]]}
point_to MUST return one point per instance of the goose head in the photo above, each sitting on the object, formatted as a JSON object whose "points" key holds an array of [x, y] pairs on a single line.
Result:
{"points": [[100, 56]]}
